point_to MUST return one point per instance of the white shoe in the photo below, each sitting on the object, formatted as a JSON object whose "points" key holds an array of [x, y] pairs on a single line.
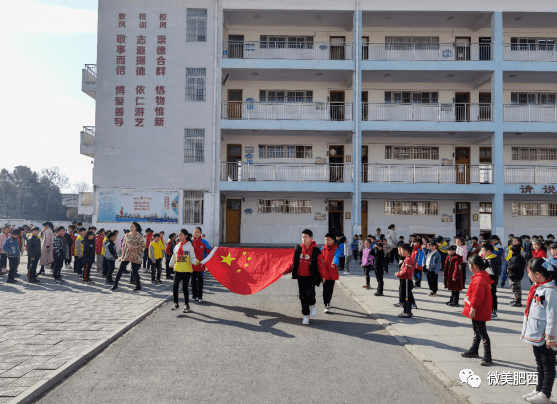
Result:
{"points": [[305, 321], [327, 308], [493, 315], [313, 310], [200, 301], [525, 396], [538, 398]]}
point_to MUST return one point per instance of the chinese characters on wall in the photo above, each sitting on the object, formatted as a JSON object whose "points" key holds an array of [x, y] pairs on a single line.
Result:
{"points": [[530, 189]]}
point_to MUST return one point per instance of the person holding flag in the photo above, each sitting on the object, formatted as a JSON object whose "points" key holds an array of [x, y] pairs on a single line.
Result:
{"points": [[181, 261], [201, 248]]}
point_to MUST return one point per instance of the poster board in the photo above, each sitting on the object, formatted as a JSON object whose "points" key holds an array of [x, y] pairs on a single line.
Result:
{"points": [[117, 205]]}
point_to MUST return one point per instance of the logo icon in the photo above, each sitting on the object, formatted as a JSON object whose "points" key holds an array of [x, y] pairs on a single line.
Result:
{"points": [[468, 376]]}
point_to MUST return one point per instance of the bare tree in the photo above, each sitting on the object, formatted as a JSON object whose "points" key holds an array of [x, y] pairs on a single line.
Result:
{"points": [[53, 178], [81, 186]]}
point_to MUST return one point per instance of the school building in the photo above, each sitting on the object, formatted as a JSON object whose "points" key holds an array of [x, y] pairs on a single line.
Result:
{"points": [[255, 119]]}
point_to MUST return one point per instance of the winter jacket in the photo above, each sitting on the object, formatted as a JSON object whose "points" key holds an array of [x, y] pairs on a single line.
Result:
{"points": [[515, 268], [306, 262], [99, 244], [133, 255], [11, 247], [367, 257], [479, 297], [493, 262], [3, 238], [407, 269], [443, 247], [69, 243], [330, 256], [510, 253], [110, 250], [202, 249], [463, 252], [527, 246], [391, 239], [354, 245], [340, 248], [539, 253], [475, 249], [47, 238], [170, 247], [541, 323], [78, 248], [452, 269], [347, 250], [418, 257], [435, 264], [182, 262], [498, 250], [34, 247], [89, 251], [378, 258], [58, 248], [156, 250]]}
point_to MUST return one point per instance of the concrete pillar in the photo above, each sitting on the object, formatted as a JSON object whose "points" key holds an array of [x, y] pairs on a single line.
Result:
{"points": [[357, 134]]}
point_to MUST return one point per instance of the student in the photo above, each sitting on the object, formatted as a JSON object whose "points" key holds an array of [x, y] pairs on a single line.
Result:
{"points": [[3, 255], [47, 237], [78, 252], [354, 246], [538, 251], [330, 257], [202, 249], [405, 296], [477, 307], [132, 251], [110, 255], [515, 272], [452, 271], [475, 247], [147, 240], [379, 260], [393, 243], [33, 254], [68, 236], [347, 255], [442, 246], [527, 246], [59, 249], [88, 255], [540, 326], [169, 251], [156, 251], [367, 262], [418, 257], [182, 263], [386, 252], [11, 249], [462, 250], [342, 257], [433, 265], [305, 269], [99, 241], [361, 246], [492, 264]]}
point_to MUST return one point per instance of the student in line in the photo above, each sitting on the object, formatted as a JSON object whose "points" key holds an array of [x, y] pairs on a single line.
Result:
{"points": [[330, 256], [132, 252], [12, 251], [379, 259], [181, 261], [515, 272], [110, 255], [169, 251], [156, 251], [88, 255], [432, 266], [406, 273], [33, 254], [202, 249]]}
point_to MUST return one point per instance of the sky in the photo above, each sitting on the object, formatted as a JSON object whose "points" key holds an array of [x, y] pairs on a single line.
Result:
{"points": [[45, 45]]}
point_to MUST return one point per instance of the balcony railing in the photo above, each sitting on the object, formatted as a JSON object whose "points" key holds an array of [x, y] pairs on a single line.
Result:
{"points": [[427, 174], [89, 74], [530, 52], [302, 172], [530, 113], [88, 136], [313, 111], [427, 51], [288, 50], [427, 112], [530, 175]]}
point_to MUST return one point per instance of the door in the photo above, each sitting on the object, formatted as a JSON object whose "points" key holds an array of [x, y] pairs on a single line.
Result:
{"points": [[234, 108], [233, 217], [233, 156], [462, 107], [485, 217], [462, 45], [485, 48], [462, 165], [336, 163], [337, 48], [485, 107], [462, 219], [235, 46], [365, 47], [336, 217], [336, 105], [485, 165], [364, 105], [364, 218], [364, 164]]}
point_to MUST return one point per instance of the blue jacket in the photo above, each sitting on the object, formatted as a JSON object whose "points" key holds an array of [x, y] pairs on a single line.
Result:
{"points": [[435, 264], [340, 250], [207, 245], [354, 244], [11, 247]]}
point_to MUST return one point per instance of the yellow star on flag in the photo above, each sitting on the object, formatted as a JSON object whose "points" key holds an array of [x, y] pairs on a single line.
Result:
{"points": [[246, 265], [228, 259], [244, 253], [249, 258], [239, 270]]}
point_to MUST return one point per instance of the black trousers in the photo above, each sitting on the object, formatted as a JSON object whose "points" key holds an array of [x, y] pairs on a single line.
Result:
{"points": [[78, 265], [328, 287], [494, 295], [57, 267], [87, 271], [156, 269], [33, 268], [68, 260], [433, 281], [545, 361], [418, 277], [480, 334], [355, 255], [146, 259], [179, 277], [197, 284], [464, 274], [379, 277], [455, 296], [393, 255], [367, 271], [135, 273], [111, 266], [3, 260], [306, 290], [168, 269], [13, 261], [406, 286]]}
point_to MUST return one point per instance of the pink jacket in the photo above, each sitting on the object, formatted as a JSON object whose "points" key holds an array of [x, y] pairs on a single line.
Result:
{"points": [[367, 258]]}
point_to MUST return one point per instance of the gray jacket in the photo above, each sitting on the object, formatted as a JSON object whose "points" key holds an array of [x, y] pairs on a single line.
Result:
{"points": [[391, 239], [541, 323]]}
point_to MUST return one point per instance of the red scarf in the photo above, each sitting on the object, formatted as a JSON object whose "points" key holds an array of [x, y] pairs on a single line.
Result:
{"points": [[180, 251], [531, 296]]}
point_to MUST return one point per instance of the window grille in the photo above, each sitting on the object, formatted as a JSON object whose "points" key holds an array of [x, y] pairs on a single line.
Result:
{"points": [[411, 97], [411, 152], [280, 42], [411, 208], [195, 84], [534, 154], [521, 209], [411, 42], [193, 207], [285, 96], [194, 145], [288, 152], [284, 206], [196, 25]]}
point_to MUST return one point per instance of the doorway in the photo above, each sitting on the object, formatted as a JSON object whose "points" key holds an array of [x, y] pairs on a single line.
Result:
{"points": [[462, 165], [485, 107], [233, 218], [336, 163], [235, 46], [233, 156], [462, 44], [485, 218], [462, 219], [336, 217], [485, 48], [365, 47], [364, 164], [462, 107], [364, 105], [364, 219], [337, 47], [336, 105], [234, 108]]}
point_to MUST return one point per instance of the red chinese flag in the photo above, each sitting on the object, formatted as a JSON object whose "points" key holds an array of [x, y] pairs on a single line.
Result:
{"points": [[246, 271]]}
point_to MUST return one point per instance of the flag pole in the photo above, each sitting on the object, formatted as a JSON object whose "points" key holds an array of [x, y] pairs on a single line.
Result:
{"points": [[209, 256]]}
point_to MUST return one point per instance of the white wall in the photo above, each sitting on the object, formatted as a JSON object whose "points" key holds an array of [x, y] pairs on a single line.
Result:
{"points": [[528, 225]]}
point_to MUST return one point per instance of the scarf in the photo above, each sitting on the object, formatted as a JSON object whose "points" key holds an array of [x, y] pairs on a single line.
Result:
{"points": [[531, 296], [180, 252]]}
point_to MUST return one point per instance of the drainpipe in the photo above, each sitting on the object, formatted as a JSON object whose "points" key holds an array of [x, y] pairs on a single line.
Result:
{"points": [[214, 223], [357, 109]]}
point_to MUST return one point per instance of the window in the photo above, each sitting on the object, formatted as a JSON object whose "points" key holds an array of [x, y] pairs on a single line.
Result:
{"points": [[534, 209], [283, 206], [285, 96], [196, 25], [533, 98], [195, 84], [485, 216], [411, 208], [534, 154], [411, 152], [521, 44], [288, 152], [411, 97], [485, 155], [280, 42], [411, 42], [193, 207], [194, 145]]}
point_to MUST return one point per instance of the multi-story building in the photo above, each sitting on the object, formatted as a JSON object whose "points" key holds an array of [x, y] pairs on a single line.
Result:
{"points": [[256, 119]]}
